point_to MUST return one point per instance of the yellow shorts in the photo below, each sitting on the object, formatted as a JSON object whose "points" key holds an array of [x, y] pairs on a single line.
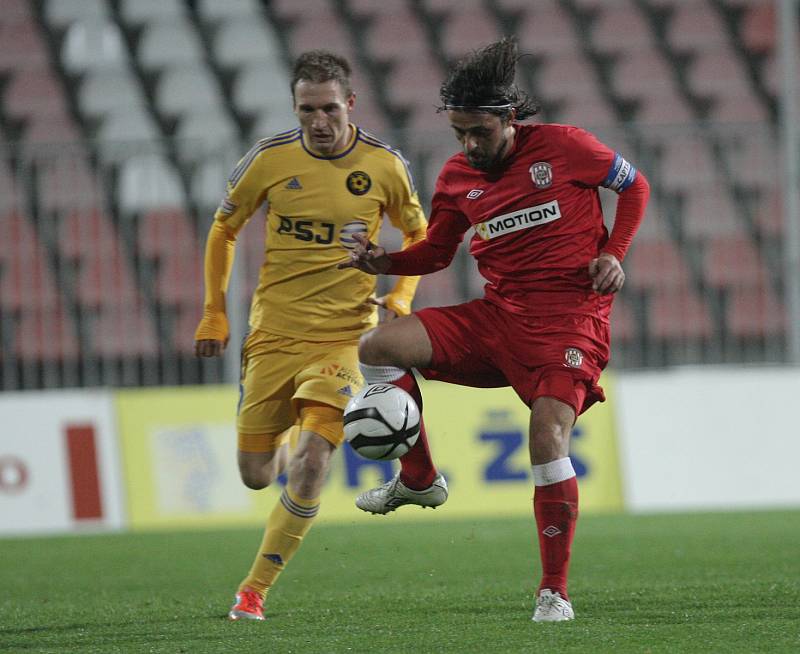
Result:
{"points": [[279, 372]]}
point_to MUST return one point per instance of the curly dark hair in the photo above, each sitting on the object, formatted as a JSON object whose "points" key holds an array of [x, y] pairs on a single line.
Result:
{"points": [[484, 81], [322, 66]]}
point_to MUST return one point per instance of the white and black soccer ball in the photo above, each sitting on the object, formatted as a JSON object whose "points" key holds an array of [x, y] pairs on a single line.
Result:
{"points": [[381, 422]]}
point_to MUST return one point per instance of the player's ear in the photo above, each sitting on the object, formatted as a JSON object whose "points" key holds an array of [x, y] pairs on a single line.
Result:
{"points": [[351, 101]]}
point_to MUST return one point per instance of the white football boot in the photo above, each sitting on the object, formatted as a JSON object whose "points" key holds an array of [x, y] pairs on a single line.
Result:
{"points": [[551, 607], [394, 494]]}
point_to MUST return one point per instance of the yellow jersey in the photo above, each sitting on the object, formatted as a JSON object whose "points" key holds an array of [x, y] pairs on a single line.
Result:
{"points": [[315, 204]]}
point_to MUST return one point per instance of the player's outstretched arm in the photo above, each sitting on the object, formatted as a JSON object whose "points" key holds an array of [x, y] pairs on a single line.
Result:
{"points": [[367, 257]]}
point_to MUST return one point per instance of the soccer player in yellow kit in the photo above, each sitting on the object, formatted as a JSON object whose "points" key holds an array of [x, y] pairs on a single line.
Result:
{"points": [[323, 182]]}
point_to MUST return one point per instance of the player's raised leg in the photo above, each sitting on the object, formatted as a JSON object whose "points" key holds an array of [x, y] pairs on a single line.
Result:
{"points": [[294, 513], [387, 355], [555, 504]]}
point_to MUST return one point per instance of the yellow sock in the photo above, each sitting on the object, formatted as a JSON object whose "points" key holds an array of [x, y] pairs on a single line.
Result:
{"points": [[289, 521]]}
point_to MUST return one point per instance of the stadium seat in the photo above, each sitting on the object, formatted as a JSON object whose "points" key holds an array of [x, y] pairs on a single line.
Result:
{"points": [[212, 11], [16, 12], [65, 181], [755, 312], [758, 27], [656, 110], [546, 29], [709, 212], [679, 314], [60, 13], [10, 192], [624, 323], [321, 27], [113, 89], [768, 216], [125, 131], [138, 12], [186, 319], [414, 83], [105, 281], [242, 39], [123, 331], [204, 132], [208, 181], [620, 27], [655, 263], [589, 115], [733, 261], [739, 108], [21, 46], [686, 161], [381, 34], [160, 232], [182, 88], [570, 77], [262, 86], [41, 133], [467, 27], [92, 45], [35, 92], [172, 43], [26, 277], [45, 334], [696, 26], [644, 74], [717, 72], [86, 234], [148, 181]]}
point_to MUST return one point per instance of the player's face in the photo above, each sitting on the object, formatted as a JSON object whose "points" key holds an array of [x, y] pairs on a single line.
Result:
{"points": [[486, 138], [324, 114]]}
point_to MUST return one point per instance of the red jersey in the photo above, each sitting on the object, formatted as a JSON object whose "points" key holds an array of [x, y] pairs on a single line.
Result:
{"points": [[537, 222]]}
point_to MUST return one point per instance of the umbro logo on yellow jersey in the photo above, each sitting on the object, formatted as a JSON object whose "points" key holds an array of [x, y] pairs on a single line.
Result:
{"points": [[331, 369], [294, 184]]}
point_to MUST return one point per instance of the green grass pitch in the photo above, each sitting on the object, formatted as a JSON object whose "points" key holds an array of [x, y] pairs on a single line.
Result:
{"points": [[711, 582]]}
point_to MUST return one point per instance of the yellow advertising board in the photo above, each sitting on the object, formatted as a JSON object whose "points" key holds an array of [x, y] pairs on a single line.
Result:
{"points": [[179, 455]]}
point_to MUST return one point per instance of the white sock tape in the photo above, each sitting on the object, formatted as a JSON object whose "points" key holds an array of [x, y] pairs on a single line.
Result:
{"points": [[553, 472]]}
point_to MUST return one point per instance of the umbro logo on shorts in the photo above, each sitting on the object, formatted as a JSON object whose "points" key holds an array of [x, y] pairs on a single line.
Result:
{"points": [[474, 193]]}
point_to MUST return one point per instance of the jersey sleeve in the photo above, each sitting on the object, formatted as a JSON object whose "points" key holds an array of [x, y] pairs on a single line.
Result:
{"points": [[593, 163], [405, 213], [246, 190], [445, 232], [403, 207]]}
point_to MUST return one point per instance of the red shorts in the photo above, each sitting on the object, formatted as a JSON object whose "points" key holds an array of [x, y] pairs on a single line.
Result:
{"points": [[480, 344]]}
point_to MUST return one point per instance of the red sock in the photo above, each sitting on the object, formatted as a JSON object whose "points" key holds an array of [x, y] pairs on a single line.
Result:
{"points": [[556, 509], [416, 466]]}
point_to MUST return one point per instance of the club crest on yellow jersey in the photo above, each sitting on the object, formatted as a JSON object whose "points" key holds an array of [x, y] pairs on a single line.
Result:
{"points": [[358, 182]]}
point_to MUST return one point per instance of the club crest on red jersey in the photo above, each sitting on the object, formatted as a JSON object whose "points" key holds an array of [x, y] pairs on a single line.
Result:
{"points": [[542, 174], [573, 357]]}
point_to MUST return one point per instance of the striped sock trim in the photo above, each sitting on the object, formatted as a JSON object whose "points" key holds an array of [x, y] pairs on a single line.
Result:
{"points": [[300, 511], [380, 374], [553, 472]]}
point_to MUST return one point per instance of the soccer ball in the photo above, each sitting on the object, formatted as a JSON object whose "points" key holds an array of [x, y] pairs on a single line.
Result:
{"points": [[381, 422]]}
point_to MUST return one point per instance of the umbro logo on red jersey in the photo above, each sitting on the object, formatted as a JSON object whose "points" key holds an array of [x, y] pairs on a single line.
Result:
{"points": [[474, 193]]}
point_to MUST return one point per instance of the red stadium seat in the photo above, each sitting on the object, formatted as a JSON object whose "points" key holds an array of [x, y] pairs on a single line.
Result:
{"points": [[123, 331], [709, 213], [769, 212], [105, 281], [733, 261], [466, 28], [569, 76], [736, 108], [321, 27], [718, 72], [667, 110], [86, 234], [546, 29], [396, 19], [679, 313], [162, 232], [753, 160], [187, 318], [65, 181], [758, 27], [755, 311], [696, 26], [16, 11], [644, 74], [35, 92], [655, 264], [621, 27], [21, 45], [45, 334], [686, 162], [624, 323], [26, 277], [179, 279]]}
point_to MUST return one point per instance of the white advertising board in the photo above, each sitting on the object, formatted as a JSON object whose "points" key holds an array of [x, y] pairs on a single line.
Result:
{"points": [[59, 462], [709, 438]]}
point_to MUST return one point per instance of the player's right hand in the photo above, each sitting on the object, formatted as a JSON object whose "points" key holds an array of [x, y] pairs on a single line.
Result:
{"points": [[209, 347], [367, 257]]}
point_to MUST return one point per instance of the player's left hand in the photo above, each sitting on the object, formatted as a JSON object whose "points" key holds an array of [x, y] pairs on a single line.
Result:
{"points": [[606, 273], [385, 314]]}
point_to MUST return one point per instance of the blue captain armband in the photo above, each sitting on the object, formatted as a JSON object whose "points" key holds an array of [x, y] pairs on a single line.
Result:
{"points": [[621, 174]]}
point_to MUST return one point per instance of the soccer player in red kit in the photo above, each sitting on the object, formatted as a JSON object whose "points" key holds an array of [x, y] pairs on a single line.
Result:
{"points": [[530, 193]]}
